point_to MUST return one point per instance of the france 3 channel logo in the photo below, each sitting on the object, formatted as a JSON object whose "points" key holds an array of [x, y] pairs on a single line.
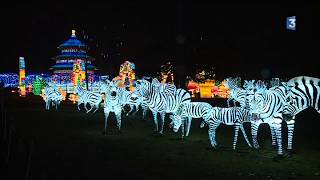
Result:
{"points": [[291, 23]]}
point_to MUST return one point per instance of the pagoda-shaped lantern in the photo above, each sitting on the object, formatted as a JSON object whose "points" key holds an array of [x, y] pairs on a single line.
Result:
{"points": [[73, 53]]}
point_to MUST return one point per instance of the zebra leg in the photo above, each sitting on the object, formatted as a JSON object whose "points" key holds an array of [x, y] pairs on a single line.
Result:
{"points": [[236, 132], [254, 132], [188, 125], [228, 102], [85, 107], [245, 135], [273, 135], [202, 123], [91, 107], [137, 109], [79, 105], [212, 133], [56, 104], [144, 112], [182, 128], [290, 125], [47, 107], [162, 115], [131, 108], [118, 116], [155, 120], [96, 108], [106, 114], [279, 139]]}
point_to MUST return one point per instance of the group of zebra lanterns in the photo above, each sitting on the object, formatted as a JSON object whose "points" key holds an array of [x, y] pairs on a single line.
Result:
{"points": [[258, 104]]}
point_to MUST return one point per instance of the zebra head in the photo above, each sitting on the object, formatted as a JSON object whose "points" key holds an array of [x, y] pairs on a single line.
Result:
{"points": [[176, 122], [113, 89], [257, 103], [156, 84], [232, 83], [142, 86], [290, 108], [104, 86], [250, 89]]}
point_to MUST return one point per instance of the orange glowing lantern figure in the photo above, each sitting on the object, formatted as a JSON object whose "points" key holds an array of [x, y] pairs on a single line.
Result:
{"points": [[74, 98], [79, 75], [167, 73], [193, 88], [22, 76], [220, 90], [126, 75]]}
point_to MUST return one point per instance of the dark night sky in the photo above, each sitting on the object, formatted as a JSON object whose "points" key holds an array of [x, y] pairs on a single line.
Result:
{"points": [[238, 39]]}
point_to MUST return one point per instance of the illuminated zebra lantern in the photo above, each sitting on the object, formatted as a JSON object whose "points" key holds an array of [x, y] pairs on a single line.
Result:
{"points": [[88, 97], [133, 99], [186, 112], [228, 116], [52, 96], [161, 102], [236, 93], [112, 102], [268, 106], [303, 92], [249, 86]]}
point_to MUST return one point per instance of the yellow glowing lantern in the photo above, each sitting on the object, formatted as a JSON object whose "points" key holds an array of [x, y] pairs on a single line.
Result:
{"points": [[205, 88], [74, 98]]}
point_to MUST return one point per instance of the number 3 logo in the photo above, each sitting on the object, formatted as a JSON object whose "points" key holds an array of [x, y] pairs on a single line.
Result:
{"points": [[291, 23]]}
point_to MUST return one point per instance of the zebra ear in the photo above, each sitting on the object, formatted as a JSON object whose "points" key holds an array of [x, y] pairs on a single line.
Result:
{"points": [[116, 82], [260, 85], [108, 81], [155, 81]]}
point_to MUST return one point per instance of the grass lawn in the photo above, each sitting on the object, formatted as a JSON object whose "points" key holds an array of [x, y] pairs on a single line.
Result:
{"points": [[69, 144]]}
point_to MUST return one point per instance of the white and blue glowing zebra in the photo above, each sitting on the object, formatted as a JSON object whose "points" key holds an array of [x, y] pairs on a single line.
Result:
{"points": [[249, 86], [267, 106], [228, 116], [164, 87], [161, 102], [87, 97], [52, 96], [303, 92], [236, 93], [126, 97], [240, 95], [160, 87], [186, 111], [112, 103]]}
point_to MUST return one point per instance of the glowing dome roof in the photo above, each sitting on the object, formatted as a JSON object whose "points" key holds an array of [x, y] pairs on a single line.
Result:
{"points": [[72, 42]]}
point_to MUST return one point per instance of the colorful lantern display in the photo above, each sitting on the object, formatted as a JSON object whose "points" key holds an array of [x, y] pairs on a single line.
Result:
{"points": [[78, 76], [71, 52], [209, 88], [38, 85], [22, 75], [220, 90], [127, 75], [167, 73]]}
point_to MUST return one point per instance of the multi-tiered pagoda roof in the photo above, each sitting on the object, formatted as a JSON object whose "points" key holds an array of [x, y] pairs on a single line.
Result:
{"points": [[71, 51]]}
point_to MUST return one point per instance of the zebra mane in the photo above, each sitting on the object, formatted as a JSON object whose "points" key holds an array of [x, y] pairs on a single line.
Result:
{"points": [[232, 83], [155, 81], [260, 86], [248, 84], [274, 82]]}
